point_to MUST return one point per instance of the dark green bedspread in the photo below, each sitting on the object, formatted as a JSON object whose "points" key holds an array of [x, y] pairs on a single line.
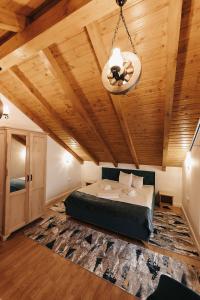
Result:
{"points": [[131, 220]]}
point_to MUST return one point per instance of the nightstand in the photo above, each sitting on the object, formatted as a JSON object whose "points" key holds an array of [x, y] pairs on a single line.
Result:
{"points": [[166, 197]]}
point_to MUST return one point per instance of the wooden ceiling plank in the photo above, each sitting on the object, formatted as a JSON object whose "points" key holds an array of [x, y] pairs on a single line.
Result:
{"points": [[174, 24], [20, 77], [21, 106], [69, 92], [101, 56], [62, 21], [11, 21]]}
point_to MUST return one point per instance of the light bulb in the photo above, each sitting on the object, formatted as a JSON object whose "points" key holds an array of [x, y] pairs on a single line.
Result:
{"points": [[66, 158], [116, 59], [6, 109]]}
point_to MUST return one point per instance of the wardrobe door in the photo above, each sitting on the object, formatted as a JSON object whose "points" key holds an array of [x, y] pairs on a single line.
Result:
{"points": [[37, 185], [17, 165]]}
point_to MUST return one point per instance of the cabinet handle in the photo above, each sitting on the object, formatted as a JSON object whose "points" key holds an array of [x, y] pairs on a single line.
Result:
{"points": [[27, 178], [31, 178]]}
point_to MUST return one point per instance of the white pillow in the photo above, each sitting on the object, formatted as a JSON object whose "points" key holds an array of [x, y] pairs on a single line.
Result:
{"points": [[132, 193], [137, 182], [125, 179]]}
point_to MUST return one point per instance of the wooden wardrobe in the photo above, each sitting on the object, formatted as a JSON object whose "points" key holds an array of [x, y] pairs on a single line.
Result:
{"points": [[22, 178]]}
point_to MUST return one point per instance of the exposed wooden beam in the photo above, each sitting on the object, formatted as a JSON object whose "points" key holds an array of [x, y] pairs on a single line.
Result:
{"points": [[101, 55], [11, 21], [125, 129], [20, 77], [174, 24], [69, 92], [21, 106], [60, 22]]}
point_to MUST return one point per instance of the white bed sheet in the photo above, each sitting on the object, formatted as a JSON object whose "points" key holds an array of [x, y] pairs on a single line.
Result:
{"points": [[142, 196]]}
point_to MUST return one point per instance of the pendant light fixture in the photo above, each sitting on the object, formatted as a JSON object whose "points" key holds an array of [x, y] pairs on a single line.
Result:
{"points": [[4, 111], [123, 69]]}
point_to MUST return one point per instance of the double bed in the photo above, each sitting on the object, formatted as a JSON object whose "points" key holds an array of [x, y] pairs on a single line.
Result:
{"points": [[115, 209]]}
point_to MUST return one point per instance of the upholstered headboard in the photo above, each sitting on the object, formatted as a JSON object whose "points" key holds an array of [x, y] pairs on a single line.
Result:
{"points": [[113, 174]]}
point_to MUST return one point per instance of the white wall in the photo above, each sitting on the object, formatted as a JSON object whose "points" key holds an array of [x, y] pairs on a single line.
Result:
{"points": [[191, 188], [63, 171], [17, 118], [168, 181], [61, 176]]}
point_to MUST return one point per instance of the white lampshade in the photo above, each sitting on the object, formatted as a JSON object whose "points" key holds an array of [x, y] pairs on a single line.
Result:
{"points": [[188, 161]]}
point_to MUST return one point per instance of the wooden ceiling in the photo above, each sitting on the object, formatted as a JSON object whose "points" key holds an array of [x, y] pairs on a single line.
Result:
{"points": [[52, 54]]}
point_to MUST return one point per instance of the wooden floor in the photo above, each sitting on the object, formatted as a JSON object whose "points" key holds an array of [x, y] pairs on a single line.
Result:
{"points": [[29, 271]]}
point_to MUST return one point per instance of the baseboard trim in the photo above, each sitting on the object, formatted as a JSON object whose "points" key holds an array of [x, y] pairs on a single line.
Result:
{"points": [[3, 238], [61, 195], [191, 228]]}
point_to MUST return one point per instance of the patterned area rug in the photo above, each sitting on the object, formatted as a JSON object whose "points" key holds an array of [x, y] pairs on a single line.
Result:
{"points": [[132, 268], [171, 232]]}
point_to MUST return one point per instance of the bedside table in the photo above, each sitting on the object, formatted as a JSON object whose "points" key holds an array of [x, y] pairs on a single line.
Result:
{"points": [[166, 197]]}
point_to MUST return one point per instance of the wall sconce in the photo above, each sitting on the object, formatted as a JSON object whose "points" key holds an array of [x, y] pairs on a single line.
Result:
{"points": [[67, 158], [23, 154], [4, 110], [188, 161]]}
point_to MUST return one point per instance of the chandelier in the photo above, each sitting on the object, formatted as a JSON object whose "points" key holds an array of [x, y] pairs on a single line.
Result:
{"points": [[4, 112], [123, 69]]}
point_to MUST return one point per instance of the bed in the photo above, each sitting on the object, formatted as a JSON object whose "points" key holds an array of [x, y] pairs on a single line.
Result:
{"points": [[125, 215], [17, 184]]}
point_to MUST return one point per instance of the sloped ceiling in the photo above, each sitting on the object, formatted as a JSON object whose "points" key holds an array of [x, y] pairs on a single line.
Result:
{"points": [[60, 86]]}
